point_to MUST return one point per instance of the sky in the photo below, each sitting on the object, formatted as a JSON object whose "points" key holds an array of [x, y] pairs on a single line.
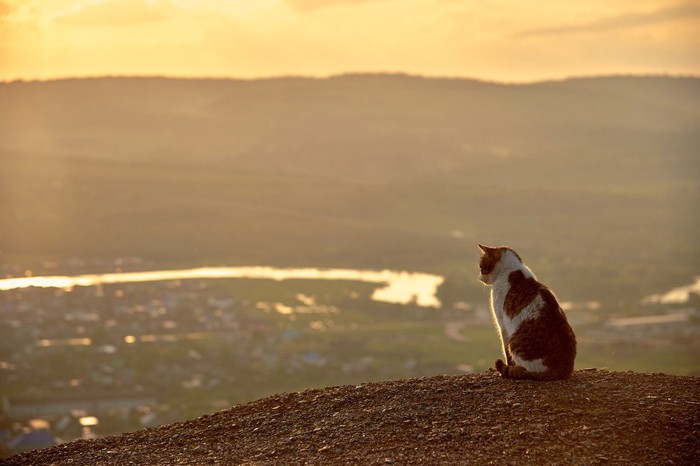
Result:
{"points": [[506, 41]]}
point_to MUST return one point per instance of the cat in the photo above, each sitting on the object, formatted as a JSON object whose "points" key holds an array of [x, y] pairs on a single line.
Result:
{"points": [[538, 342]]}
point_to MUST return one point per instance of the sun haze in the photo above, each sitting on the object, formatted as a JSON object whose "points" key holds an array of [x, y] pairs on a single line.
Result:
{"points": [[488, 39]]}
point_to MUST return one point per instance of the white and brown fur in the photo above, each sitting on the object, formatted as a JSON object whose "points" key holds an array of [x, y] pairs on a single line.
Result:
{"points": [[538, 342]]}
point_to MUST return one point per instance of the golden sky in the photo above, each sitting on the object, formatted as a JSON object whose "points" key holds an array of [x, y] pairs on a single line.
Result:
{"points": [[487, 39]]}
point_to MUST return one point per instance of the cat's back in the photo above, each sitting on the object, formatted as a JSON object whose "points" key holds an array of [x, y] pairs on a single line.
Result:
{"points": [[544, 331], [527, 294]]}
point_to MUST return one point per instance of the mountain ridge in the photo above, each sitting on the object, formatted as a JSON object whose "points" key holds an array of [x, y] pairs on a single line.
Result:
{"points": [[596, 417], [351, 127]]}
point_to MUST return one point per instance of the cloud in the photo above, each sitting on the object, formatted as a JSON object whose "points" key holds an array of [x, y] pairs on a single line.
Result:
{"points": [[316, 4], [624, 21], [116, 12]]}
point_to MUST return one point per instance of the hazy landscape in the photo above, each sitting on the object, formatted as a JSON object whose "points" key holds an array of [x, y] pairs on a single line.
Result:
{"points": [[364, 171], [594, 181]]}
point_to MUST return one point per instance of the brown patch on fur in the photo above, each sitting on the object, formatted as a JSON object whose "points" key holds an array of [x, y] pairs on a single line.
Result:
{"points": [[489, 258], [521, 293]]}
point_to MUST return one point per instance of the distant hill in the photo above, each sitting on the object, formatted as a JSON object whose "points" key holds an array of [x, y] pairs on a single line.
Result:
{"points": [[359, 170], [361, 127], [596, 417]]}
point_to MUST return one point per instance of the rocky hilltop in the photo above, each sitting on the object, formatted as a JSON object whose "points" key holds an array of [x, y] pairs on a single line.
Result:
{"points": [[596, 417]]}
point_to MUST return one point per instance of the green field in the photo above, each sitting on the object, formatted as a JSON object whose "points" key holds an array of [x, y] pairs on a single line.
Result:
{"points": [[621, 249]]}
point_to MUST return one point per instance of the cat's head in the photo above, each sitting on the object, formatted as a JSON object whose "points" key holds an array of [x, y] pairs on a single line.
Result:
{"points": [[493, 259]]}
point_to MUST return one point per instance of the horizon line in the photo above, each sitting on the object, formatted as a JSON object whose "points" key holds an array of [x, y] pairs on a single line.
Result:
{"points": [[320, 77]]}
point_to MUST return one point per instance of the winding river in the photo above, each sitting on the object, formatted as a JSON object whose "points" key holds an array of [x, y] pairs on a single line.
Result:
{"points": [[399, 287]]}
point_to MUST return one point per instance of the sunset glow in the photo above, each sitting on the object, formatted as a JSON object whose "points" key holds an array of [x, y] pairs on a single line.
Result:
{"points": [[496, 40]]}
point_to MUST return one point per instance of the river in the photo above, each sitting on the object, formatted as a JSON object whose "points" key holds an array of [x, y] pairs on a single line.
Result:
{"points": [[676, 295], [399, 287]]}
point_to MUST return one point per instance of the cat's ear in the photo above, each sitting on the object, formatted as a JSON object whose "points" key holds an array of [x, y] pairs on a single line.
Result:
{"points": [[484, 249]]}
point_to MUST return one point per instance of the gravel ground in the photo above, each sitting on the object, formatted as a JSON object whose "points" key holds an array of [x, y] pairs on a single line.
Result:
{"points": [[596, 417]]}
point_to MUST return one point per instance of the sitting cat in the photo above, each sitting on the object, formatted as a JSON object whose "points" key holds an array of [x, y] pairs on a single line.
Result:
{"points": [[537, 340]]}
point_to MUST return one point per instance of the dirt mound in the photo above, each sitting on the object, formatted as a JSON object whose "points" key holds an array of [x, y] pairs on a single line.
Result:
{"points": [[595, 417]]}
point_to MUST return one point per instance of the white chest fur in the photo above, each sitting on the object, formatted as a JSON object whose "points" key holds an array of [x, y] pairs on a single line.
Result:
{"points": [[499, 290]]}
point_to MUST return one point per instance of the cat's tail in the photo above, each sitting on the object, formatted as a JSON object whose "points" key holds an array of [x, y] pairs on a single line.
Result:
{"points": [[519, 372]]}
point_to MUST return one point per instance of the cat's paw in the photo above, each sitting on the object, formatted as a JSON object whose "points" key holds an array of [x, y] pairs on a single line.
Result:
{"points": [[500, 366]]}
